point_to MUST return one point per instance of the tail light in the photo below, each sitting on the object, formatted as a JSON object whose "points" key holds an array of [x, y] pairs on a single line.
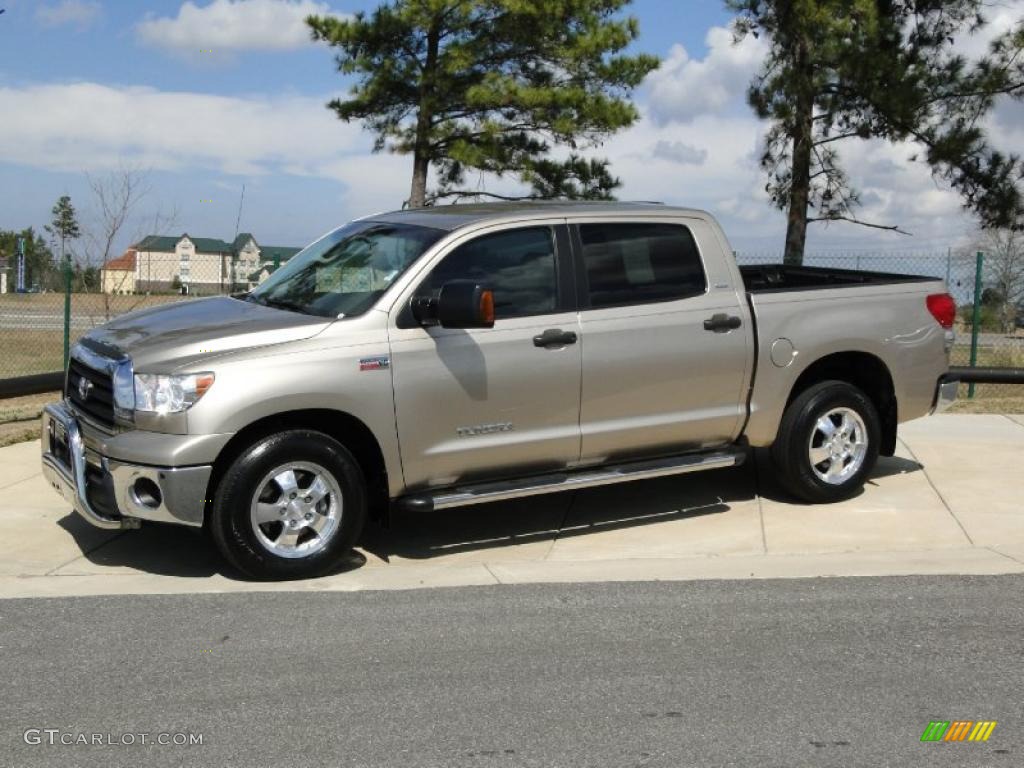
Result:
{"points": [[943, 309]]}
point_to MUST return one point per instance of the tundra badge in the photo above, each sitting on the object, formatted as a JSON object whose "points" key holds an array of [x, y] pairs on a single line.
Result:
{"points": [[484, 429]]}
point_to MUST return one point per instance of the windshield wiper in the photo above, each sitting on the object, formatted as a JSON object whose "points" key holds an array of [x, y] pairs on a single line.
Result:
{"points": [[291, 306]]}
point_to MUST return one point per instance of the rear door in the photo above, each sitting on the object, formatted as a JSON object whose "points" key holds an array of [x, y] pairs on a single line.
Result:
{"points": [[665, 354], [485, 403]]}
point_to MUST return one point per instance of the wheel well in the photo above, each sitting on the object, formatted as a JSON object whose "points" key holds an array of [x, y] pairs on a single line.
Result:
{"points": [[343, 427], [867, 373]]}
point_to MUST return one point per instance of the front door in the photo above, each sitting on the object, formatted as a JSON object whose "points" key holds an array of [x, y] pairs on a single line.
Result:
{"points": [[484, 403]]}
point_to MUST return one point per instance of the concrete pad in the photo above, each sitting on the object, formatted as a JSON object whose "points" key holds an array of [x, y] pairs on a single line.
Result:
{"points": [[1017, 419], [1012, 551], [707, 513], [949, 429], [410, 577], [898, 509], [975, 463], [39, 532], [21, 461], [962, 560], [711, 525]]}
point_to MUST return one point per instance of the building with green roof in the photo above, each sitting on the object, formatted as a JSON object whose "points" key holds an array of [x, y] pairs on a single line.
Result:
{"points": [[204, 266]]}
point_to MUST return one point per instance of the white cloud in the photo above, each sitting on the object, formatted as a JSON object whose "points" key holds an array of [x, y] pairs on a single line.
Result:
{"points": [[683, 88], [678, 152], [80, 13], [92, 126], [225, 26]]}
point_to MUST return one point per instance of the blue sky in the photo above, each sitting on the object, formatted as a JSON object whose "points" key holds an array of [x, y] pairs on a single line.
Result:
{"points": [[91, 85]]}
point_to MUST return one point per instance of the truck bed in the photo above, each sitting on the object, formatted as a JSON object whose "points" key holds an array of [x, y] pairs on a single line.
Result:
{"points": [[772, 278]]}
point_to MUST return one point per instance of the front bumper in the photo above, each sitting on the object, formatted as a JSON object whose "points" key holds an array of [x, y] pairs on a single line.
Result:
{"points": [[114, 494], [945, 394]]}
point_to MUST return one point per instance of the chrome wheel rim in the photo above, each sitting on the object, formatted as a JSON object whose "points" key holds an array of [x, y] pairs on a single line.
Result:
{"points": [[839, 445], [296, 509]]}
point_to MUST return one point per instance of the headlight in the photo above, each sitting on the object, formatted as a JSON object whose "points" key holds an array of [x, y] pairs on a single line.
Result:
{"points": [[124, 391], [157, 393]]}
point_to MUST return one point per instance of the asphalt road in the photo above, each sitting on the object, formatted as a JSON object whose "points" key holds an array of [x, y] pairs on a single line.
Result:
{"points": [[825, 672]]}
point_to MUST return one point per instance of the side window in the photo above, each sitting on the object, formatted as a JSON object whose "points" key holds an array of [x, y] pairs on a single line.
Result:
{"points": [[640, 263], [518, 265]]}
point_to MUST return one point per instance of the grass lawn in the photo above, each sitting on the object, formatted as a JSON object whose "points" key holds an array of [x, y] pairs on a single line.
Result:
{"points": [[24, 352], [19, 417], [81, 302]]}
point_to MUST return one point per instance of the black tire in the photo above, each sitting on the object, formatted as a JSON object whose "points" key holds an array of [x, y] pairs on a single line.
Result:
{"points": [[230, 523], [791, 451]]}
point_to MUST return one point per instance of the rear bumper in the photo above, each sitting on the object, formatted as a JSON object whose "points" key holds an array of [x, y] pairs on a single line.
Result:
{"points": [[106, 491], [945, 394]]}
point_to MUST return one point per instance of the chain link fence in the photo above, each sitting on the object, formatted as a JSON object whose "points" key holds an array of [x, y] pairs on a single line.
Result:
{"points": [[35, 328]]}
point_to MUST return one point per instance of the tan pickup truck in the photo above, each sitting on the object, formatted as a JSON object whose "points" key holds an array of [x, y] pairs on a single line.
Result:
{"points": [[454, 355]]}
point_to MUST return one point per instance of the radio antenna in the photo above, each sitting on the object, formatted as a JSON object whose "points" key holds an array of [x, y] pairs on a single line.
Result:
{"points": [[238, 221]]}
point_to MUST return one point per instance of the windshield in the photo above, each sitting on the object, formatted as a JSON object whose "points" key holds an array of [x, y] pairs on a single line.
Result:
{"points": [[345, 272]]}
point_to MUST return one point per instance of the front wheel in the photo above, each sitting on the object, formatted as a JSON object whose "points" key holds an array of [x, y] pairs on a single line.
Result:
{"points": [[290, 507], [827, 443]]}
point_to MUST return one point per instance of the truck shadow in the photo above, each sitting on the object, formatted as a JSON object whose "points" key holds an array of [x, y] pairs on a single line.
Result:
{"points": [[168, 550], [562, 516], [159, 549], [177, 551]]}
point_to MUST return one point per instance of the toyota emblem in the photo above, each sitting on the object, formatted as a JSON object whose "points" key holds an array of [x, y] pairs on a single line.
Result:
{"points": [[84, 388]]}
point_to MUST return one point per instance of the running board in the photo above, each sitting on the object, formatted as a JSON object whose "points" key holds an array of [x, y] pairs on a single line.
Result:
{"points": [[570, 481]]}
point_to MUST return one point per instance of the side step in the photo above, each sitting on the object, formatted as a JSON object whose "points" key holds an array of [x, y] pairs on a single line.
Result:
{"points": [[448, 498]]}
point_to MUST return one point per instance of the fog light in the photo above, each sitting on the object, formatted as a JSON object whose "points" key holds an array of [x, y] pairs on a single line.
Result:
{"points": [[146, 493]]}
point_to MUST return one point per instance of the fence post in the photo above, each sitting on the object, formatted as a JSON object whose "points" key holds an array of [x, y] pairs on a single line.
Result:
{"points": [[67, 309], [976, 317]]}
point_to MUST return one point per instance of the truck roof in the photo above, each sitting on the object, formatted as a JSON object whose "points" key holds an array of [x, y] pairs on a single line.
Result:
{"points": [[451, 217]]}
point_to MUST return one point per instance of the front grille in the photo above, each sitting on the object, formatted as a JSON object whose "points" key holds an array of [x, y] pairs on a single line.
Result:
{"points": [[98, 405], [59, 447]]}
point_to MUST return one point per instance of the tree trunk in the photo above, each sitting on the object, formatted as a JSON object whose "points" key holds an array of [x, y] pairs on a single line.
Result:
{"points": [[800, 184], [420, 166], [421, 150]]}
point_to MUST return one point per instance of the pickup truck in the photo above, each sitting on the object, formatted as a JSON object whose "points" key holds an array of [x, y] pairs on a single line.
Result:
{"points": [[446, 356]]}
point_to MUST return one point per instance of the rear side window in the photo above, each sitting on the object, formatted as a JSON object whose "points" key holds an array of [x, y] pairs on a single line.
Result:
{"points": [[518, 265], [640, 263]]}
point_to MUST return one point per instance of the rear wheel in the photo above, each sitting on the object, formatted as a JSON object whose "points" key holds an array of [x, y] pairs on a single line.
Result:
{"points": [[291, 506], [828, 442]]}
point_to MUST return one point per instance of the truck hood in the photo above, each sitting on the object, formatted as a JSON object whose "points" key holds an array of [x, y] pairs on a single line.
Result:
{"points": [[169, 335]]}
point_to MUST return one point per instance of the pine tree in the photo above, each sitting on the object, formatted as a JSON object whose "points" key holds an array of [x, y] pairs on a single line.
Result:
{"points": [[886, 69], [64, 225], [490, 87]]}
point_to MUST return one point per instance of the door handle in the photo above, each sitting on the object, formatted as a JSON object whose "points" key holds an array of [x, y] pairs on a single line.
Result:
{"points": [[722, 323], [554, 337]]}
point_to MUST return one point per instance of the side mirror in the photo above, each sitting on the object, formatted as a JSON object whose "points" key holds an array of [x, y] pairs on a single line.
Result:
{"points": [[461, 304]]}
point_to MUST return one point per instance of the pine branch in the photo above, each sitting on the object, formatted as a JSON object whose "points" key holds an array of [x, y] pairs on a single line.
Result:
{"points": [[860, 223], [464, 193]]}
